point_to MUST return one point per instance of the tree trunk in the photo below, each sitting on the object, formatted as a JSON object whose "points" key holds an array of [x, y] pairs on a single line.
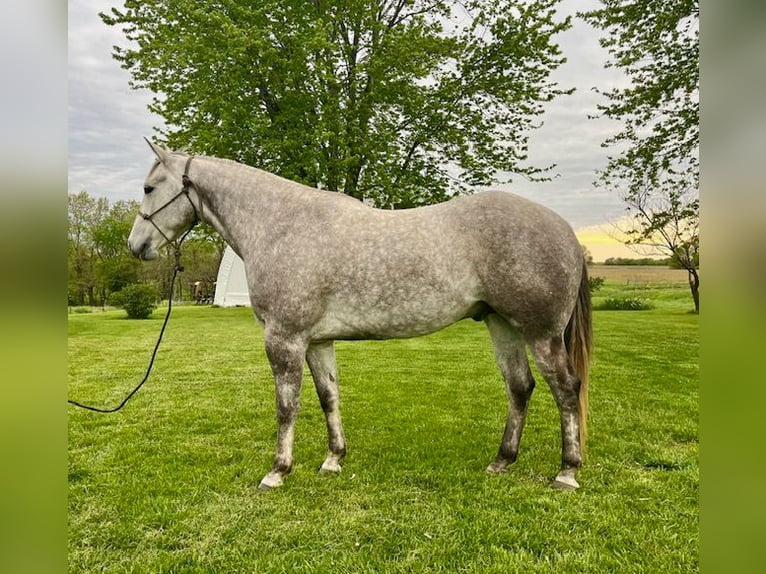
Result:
{"points": [[694, 285], [351, 185]]}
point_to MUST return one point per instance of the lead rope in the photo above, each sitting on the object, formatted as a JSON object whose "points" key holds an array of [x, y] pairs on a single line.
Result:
{"points": [[151, 362], [178, 267]]}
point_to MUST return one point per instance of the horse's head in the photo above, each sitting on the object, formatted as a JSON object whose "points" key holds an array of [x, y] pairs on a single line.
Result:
{"points": [[165, 213]]}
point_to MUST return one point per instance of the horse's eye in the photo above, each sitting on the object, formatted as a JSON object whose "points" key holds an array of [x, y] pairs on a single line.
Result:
{"points": [[148, 189]]}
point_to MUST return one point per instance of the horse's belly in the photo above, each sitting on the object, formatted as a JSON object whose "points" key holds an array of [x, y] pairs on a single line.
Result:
{"points": [[374, 319]]}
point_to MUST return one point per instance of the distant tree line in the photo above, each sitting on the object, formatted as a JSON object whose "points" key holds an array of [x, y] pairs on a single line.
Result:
{"points": [[100, 264], [678, 260], [639, 261]]}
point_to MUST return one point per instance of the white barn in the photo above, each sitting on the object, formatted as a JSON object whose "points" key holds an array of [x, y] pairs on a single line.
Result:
{"points": [[231, 284]]}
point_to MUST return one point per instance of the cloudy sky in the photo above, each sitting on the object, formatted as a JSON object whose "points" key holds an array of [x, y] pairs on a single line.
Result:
{"points": [[108, 120]]}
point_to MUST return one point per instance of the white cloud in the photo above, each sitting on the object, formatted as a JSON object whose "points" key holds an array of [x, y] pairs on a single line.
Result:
{"points": [[568, 138], [107, 119]]}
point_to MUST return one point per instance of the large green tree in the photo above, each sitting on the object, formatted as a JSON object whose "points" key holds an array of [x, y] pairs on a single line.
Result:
{"points": [[656, 172], [398, 102]]}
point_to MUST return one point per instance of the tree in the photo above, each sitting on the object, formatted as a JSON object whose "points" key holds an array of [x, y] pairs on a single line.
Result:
{"points": [[397, 102], [668, 223], [656, 43], [202, 254], [115, 267], [84, 212], [100, 264]]}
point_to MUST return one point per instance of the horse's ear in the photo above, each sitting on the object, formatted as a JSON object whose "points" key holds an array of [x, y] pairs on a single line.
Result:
{"points": [[160, 152]]}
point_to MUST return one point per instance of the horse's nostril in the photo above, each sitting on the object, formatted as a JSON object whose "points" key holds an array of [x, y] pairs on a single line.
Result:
{"points": [[136, 250]]}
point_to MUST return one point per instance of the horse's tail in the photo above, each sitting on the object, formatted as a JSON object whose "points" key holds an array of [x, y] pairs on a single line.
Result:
{"points": [[578, 337]]}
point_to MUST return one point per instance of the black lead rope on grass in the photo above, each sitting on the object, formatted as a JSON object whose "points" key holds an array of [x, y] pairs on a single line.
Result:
{"points": [[151, 361], [178, 267], [186, 184]]}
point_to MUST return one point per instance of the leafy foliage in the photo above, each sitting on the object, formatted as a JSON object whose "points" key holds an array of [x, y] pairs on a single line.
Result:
{"points": [[595, 283], [139, 300], [656, 43], [398, 102], [636, 261], [100, 264], [625, 304], [98, 260]]}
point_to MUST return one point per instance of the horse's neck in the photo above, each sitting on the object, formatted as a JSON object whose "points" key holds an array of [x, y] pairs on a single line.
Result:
{"points": [[208, 216], [236, 200]]}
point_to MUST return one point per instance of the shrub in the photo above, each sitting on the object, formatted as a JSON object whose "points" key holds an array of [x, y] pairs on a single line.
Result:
{"points": [[625, 304], [138, 299], [595, 283], [81, 310]]}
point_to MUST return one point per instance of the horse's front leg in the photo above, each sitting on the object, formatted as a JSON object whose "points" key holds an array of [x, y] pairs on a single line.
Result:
{"points": [[321, 360], [286, 355]]}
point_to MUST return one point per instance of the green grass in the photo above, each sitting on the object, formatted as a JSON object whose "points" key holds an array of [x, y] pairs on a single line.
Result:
{"points": [[660, 287], [169, 484]]}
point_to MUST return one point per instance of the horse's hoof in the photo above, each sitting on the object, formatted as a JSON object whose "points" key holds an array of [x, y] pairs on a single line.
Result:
{"points": [[330, 469], [270, 481], [496, 468], [565, 483]]}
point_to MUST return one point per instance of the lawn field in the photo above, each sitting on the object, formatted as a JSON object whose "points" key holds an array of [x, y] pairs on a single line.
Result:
{"points": [[169, 484]]}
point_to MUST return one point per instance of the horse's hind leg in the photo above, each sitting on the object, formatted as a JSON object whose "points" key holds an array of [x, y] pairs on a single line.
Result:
{"points": [[321, 360], [511, 357], [551, 357]]}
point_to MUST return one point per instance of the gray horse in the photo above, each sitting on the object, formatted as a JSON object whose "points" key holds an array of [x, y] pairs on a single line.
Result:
{"points": [[323, 266]]}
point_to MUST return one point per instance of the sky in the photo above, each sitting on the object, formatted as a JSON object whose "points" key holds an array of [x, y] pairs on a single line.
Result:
{"points": [[107, 121]]}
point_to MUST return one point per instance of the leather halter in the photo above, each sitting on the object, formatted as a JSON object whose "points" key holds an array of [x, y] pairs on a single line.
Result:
{"points": [[186, 184]]}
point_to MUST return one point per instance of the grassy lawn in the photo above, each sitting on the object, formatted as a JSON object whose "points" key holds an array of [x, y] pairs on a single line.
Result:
{"points": [[169, 484]]}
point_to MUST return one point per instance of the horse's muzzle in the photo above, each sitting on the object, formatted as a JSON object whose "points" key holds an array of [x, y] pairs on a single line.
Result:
{"points": [[142, 251]]}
